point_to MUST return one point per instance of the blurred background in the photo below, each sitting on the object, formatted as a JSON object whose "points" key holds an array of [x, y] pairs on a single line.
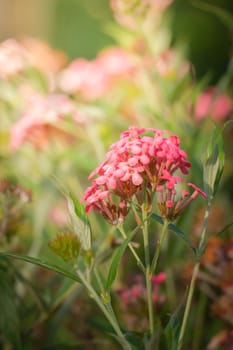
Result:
{"points": [[80, 28]]}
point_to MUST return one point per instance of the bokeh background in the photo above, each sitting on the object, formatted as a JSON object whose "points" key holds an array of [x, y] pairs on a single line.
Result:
{"points": [[81, 28]]}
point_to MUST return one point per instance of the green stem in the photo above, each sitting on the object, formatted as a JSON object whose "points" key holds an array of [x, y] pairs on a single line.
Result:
{"points": [[194, 276], [159, 245], [188, 305], [139, 262], [107, 311], [199, 322], [148, 269]]}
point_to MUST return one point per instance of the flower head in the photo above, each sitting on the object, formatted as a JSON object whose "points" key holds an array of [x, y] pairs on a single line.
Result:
{"points": [[171, 204], [140, 161]]}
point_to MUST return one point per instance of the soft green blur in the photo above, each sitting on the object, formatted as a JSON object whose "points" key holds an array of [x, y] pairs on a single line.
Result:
{"points": [[79, 27]]}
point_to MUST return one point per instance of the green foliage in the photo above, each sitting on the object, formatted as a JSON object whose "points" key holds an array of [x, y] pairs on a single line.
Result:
{"points": [[80, 222], [116, 261], [9, 318], [214, 163], [222, 14], [172, 328], [47, 265], [176, 230]]}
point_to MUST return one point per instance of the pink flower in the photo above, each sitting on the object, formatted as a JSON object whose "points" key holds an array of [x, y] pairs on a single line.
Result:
{"points": [[169, 65], [158, 279], [92, 79], [116, 62], [171, 204], [42, 56], [140, 156], [40, 118], [13, 58], [84, 77], [160, 5], [214, 105]]}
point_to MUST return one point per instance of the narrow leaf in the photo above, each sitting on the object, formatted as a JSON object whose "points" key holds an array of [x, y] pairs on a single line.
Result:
{"points": [[44, 264], [176, 230], [116, 260], [80, 222], [172, 328], [219, 12], [157, 218], [214, 163], [182, 235], [9, 317], [226, 228]]}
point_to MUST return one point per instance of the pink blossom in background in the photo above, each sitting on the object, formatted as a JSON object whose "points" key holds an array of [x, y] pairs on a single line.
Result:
{"points": [[168, 64], [43, 56], [13, 58], [84, 77], [59, 214], [133, 301], [17, 56], [116, 62], [160, 278], [92, 79], [209, 103], [39, 120], [160, 5]]}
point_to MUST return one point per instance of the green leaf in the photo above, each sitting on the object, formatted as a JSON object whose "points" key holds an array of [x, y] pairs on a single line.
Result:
{"points": [[181, 234], [157, 218], [172, 329], [176, 230], [214, 163], [225, 229], [80, 222], [219, 12], [135, 339], [116, 260], [9, 319], [44, 264]]}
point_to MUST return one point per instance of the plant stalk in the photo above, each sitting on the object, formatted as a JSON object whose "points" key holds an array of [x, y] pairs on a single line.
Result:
{"points": [[194, 276], [137, 258], [148, 273], [107, 311], [159, 245]]}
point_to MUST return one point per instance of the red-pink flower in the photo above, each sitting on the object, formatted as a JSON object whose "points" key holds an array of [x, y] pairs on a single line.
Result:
{"points": [[141, 156], [209, 103], [172, 203]]}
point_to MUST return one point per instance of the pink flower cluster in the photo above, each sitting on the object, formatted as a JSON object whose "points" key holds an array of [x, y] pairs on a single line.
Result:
{"points": [[138, 290], [17, 56], [169, 205], [218, 106], [141, 161], [134, 300], [39, 121], [91, 79]]}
